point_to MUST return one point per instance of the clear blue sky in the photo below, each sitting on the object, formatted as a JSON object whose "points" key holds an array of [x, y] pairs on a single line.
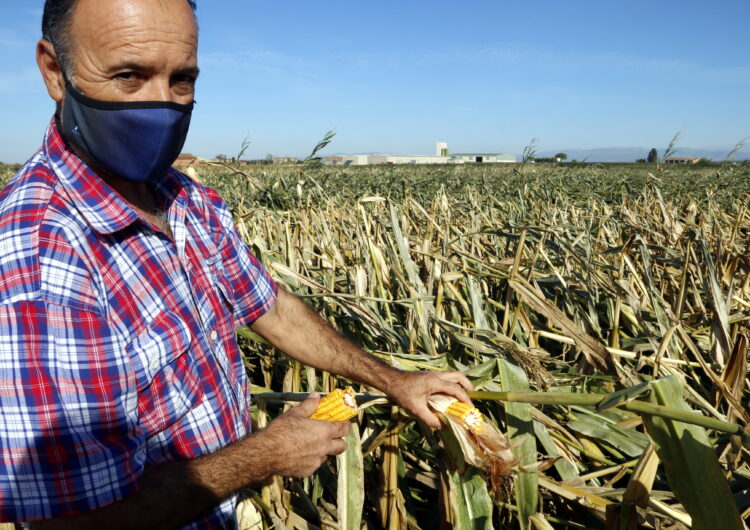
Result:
{"points": [[398, 76]]}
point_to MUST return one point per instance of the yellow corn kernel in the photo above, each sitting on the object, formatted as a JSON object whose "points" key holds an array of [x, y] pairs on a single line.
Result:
{"points": [[468, 415], [339, 405]]}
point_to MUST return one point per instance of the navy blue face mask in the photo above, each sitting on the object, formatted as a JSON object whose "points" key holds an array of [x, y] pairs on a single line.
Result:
{"points": [[136, 141]]}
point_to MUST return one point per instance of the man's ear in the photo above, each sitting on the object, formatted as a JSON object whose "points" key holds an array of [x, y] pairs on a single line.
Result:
{"points": [[52, 74]]}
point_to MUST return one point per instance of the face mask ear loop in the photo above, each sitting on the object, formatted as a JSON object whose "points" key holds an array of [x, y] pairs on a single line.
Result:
{"points": [[74, 93]]}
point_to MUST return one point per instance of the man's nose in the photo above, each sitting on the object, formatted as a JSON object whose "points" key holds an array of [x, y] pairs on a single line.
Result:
{"points": [[160, 89]]}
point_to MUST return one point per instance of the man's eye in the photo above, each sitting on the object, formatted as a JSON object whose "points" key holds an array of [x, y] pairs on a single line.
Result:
{"points": [[126, 75], [185, 79]]}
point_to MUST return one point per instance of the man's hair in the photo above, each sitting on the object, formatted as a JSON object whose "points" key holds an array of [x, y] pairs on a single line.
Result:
{"points": [[56, 29]]}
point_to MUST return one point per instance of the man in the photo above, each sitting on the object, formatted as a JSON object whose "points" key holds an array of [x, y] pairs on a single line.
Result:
{"points": [[123, 397]]}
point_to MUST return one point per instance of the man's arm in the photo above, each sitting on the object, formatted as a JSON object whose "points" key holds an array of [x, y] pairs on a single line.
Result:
{"points": [[297, 330], [177, 493]]}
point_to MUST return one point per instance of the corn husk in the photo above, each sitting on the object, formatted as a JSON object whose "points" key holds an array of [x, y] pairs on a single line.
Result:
{"points": [[485, 448]]}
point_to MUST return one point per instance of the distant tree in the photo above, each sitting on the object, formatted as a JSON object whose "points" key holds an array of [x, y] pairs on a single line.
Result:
{"points": [[640, 161], [653, 156], [561, 156], [221, 157]]}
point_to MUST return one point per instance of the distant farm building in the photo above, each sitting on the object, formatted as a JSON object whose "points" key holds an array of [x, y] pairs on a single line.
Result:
{"points": [[686, 160], [346, 160], [185, 160], [334, 160], [481, 158], [407, 159], [441, 156], [285, 160]]}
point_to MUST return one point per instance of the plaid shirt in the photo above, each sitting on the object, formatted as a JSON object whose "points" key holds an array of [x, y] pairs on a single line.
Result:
{"points": [[117, 344]]}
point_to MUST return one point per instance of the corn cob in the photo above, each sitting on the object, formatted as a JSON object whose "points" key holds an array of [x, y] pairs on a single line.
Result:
{"points": [[466, 414], [339, 405]]}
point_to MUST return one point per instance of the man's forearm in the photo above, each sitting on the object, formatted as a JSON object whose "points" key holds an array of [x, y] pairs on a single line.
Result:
{"points": [[302, 334], [176, 493]]}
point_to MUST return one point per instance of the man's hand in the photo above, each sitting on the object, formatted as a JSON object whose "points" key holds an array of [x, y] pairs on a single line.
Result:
{"points": [[292, 445], [302, 445], [294, 328], [411, 390]]}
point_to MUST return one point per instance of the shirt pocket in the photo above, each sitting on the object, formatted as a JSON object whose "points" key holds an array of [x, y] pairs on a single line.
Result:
{"points": [[219, 278], [166, 373]]}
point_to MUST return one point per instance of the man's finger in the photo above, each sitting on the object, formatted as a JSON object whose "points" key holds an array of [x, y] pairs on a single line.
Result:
{"points": [[429, 417], [337, 447], [464, 382], [339, 429], [454, 384], [458, 377], [307, 407], [456, 390]]}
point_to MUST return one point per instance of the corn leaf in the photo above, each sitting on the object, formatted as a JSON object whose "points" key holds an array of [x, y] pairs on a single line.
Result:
{"points": [[628, 441], [470, 499], [351, 481], [566, 470], [522, 440], [690, 463], [622, 396]]}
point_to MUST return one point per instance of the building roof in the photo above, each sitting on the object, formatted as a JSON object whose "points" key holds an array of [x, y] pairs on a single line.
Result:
{"points": [[412, 156]]}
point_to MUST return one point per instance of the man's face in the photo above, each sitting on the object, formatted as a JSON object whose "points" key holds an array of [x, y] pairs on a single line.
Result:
{"points": [[135, 50]]}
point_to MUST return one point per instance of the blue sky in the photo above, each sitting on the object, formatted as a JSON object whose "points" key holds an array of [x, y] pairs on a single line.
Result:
{"points": [[399, 76]]}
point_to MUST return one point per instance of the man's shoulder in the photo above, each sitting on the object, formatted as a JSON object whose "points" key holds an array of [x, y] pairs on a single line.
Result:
{"points": [[35, 228], [28, 192]]}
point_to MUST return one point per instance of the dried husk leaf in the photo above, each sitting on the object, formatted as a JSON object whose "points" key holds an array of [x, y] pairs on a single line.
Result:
{"points": [[487, 449]]}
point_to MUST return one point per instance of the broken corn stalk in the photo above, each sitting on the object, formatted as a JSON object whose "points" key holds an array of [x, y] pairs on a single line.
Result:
{"points": [[339, 405]]}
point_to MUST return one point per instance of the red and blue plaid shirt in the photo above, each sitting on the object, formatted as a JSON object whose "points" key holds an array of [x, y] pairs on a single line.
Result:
{"points": [[117, 344]]}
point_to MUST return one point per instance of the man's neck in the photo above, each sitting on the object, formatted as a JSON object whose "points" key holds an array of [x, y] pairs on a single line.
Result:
{"points": [[143, 199], [141, 196]]}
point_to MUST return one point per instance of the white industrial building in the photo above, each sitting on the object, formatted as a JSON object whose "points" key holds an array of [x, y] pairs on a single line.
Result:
{"points": [[480, 158], [355, 160], [441, 156], [407, 159]]}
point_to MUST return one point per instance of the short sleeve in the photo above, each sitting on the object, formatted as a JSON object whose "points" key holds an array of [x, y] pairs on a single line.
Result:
{"points": [[254, 291], [69, 442]]}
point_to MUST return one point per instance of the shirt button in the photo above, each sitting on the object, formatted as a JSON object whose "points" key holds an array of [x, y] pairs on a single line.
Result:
{"points": [[155, 364], [214, 336]]}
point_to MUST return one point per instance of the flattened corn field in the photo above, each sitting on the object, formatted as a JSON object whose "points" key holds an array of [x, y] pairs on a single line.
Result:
{"points": [[602, 313]]}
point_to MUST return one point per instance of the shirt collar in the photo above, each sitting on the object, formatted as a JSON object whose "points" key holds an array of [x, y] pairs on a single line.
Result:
{"points": [[104, 209]]}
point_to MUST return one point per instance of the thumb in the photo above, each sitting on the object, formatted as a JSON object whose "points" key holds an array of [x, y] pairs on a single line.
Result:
{"points": [[308, 406]]}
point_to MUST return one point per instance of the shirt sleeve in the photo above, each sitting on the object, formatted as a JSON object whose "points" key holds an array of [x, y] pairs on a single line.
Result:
{"points": [[254, 291], [68, 436]]}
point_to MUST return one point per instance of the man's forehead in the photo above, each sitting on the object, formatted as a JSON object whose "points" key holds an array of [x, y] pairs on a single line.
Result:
{"points": [[150, 33], [161, 19]]}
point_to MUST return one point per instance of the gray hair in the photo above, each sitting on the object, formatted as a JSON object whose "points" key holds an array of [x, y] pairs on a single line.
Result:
{"points": [[56, 21]]}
